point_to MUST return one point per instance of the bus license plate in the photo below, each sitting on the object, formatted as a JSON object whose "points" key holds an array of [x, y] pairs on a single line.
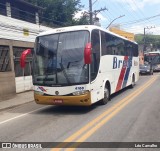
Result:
{"points": [[58, 101]]}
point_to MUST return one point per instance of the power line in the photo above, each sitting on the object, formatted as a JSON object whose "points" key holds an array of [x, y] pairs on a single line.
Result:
{"points": [[139, 20], [95, 12], [139, 10]]}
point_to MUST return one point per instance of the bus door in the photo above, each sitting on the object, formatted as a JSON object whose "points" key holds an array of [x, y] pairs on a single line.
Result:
{"points": [[96, 81]]}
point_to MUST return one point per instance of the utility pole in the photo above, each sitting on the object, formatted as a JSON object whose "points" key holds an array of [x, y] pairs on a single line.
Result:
{"points": [[98, 11], [144, 38], [90, 12]]}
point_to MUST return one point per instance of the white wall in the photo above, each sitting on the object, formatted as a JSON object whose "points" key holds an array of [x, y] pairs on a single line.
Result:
{"points": [[11, 28]]}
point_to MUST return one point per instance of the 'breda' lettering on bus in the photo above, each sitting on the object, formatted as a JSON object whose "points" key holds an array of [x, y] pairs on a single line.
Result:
{"points": [[117, 63]]}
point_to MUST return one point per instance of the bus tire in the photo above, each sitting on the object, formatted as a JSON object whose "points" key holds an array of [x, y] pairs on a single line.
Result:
{"points": [[106, 96], [133, 81]]}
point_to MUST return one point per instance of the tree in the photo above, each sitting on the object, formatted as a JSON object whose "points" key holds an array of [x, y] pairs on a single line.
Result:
{"points": [[60, 12], [150, 39]]}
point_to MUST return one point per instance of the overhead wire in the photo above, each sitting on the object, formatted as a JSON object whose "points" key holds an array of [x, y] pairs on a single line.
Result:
{"points": [[140, 20], [129, 11], [139, 10], [110, 16], [132, 11]]}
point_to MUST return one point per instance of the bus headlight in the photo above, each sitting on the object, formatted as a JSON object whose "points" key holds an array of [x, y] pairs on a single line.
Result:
{"points": [[38, 92], [80, 92]]}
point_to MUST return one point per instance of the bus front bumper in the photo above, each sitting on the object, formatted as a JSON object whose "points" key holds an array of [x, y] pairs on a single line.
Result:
{"points": [[79, 100]]}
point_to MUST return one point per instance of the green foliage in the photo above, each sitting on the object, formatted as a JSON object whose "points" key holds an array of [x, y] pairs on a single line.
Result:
{"points": [[150, 39], [60, 12]]}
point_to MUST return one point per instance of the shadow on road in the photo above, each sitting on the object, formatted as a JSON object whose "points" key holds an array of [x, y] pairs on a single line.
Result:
{"points": [[67, 110]]}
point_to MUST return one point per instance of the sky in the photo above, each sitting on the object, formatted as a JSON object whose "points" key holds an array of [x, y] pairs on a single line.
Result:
{"points": [[137, 14]]}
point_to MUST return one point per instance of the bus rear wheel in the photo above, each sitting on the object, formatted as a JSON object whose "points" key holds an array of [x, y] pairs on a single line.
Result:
{"points": [[133, 82], [106, 96]]}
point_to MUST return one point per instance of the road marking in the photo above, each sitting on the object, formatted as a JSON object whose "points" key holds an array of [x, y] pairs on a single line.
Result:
{"points": [[104, 121], [5, 121], [99, 121]]}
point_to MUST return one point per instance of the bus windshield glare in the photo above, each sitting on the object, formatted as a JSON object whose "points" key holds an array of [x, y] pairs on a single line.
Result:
{"points": [[59, 59]]}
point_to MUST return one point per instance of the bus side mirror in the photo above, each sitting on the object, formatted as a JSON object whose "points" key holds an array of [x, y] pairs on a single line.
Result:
{"points": [[87, 53], [23, 57]]}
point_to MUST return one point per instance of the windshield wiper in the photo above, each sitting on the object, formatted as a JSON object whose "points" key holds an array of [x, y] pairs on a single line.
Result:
{"points": [[64, 72]]}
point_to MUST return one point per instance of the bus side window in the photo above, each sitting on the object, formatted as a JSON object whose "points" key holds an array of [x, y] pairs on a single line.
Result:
{"points": [[128, 49], [103, 43], [135, 50], [95, 40], [120, 47], [110, 44]]}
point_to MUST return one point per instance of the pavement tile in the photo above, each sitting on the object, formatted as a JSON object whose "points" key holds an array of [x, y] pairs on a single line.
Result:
{"points": [[18, 99]]}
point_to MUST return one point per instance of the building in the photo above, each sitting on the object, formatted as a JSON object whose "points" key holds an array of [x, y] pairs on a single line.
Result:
{"points": [[19, 25], [125, 34]]}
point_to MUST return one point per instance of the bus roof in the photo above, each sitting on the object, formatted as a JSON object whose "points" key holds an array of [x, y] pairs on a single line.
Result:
{"points": [[153, 52], [81, 27]]}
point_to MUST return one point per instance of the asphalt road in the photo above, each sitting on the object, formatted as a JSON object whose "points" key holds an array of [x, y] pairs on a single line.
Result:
{"points": [[132, 115]]}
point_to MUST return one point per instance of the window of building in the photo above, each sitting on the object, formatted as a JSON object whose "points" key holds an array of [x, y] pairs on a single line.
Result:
{"points": [[5, 63], [27, 71], [23, 14]]}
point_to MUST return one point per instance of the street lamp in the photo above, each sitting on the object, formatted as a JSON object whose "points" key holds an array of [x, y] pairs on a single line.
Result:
{"points": [[114, 20]]}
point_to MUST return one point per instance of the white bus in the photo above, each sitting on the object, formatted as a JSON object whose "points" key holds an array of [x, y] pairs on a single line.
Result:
{"points": [[81, 65]]}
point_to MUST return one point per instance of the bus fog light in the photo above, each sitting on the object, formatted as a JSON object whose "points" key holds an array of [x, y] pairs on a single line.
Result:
{"points": [[80, 92], [36, 100], [85, 100]]}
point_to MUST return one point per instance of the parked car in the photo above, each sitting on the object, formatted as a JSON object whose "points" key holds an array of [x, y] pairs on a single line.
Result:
{"points": [[156, 68], [146, 69]]}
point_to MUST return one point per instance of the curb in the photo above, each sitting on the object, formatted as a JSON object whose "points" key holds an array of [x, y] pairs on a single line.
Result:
{"points": [[13, 106]]}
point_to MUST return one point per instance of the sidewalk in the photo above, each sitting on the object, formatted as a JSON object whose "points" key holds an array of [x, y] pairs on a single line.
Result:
{"points": [[18, 99]]}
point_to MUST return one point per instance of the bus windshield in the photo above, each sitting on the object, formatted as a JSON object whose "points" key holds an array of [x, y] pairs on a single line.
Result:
{"points": [[59, 59], [153, 58]]}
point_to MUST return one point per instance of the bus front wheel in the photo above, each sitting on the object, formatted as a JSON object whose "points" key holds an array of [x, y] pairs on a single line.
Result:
{"points": [[106, 96]]}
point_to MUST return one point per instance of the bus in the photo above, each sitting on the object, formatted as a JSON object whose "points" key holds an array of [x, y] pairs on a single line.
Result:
{"points": [[81, 65], [153, 58]]}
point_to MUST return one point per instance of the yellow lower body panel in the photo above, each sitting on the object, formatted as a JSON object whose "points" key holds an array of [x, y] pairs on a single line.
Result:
{"points": [[80, 100]]}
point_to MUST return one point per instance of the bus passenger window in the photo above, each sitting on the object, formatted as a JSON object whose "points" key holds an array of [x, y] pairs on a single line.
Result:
{"points": [[103, 43], [128, 49]]}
